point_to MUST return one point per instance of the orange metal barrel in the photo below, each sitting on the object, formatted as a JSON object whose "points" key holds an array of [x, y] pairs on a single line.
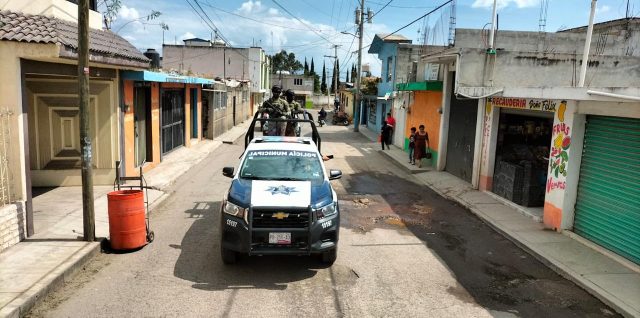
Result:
{"points": [[127, 227]]}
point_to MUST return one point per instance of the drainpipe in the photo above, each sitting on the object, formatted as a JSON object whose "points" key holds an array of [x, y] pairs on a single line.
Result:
{"points": [[587, 45]]}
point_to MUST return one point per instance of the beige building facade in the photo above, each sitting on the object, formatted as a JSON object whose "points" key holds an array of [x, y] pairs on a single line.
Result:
{"points": [[39, 119]]}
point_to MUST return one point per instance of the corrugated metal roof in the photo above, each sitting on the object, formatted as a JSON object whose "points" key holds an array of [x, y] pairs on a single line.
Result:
{"points": [[381, 38], [15, 26], [393, 37]]}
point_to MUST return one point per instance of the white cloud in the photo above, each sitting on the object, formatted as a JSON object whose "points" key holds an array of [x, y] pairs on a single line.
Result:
{"points": [[504, 3], [128, 13], [187, 35], [294, 36], [250, 7], [603, 9], [129, 38]]}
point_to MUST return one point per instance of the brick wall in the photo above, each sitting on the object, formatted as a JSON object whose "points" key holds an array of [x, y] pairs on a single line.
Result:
{"points": [[12, 225]]}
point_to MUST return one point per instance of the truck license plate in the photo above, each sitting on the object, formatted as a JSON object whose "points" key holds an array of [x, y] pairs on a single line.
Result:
{"points": [[280, 238]]}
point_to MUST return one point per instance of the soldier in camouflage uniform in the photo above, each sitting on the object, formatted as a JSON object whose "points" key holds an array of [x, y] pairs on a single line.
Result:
{"points": [[295, 109], [293, 105], [276, 107]]}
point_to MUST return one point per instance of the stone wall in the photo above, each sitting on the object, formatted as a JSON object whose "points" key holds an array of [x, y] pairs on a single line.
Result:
{"points": [[12, 225]]}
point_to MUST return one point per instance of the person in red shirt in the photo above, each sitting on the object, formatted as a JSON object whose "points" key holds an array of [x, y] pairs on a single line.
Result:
{"points": [[391, 122]]}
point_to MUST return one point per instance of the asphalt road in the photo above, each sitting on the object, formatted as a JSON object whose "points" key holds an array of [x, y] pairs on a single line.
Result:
{"points": [[404, 251]]}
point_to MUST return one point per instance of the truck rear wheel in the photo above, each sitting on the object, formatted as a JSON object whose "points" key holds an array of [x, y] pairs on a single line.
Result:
{"points": [[329, 257], [228, 256]]}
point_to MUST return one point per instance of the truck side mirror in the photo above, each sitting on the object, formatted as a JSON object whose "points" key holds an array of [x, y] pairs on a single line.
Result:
{"points": [[227, 172], [335, 174]]}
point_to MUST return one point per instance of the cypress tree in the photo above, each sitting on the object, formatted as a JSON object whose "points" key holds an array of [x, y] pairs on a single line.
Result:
{"points": [[323, 83], [333, 78], [354, 72], [316, 79], [306, 67], [337, 71]]}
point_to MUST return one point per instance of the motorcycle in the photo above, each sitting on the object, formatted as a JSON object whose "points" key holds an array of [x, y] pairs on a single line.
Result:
{"points": [[321, 119], [340, 118]]}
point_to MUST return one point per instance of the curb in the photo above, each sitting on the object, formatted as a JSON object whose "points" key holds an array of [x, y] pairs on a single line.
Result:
{"points": [[52, 281], [557, 267], [57, 276], [61, 274], [401, 165]]}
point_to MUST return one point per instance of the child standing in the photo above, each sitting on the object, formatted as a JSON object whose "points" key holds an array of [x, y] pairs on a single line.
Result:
{"points": [[412, 145]]}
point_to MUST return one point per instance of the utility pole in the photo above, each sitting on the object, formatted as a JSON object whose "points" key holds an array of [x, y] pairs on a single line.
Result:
{"points": [[587, 45], [88, 213], [491, 49], [360, 23], [337, 72], [336, 75]]}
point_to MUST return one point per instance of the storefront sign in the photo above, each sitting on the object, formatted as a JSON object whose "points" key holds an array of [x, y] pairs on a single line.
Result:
{"points": [[545, 105]]}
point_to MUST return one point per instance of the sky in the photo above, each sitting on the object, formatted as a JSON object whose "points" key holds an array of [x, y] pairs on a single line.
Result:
{"points": [[310, 28]]}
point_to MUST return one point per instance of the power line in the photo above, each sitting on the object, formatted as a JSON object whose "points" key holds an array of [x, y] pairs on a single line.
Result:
{"points": [[316, 8], [214, 28], [403, 7], [291, 14], [256, 20], [414, 21], [381, 8]]}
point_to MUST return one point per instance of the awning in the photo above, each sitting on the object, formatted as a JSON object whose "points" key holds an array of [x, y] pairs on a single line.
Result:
{"points": [[163, 77], [385, 97]]}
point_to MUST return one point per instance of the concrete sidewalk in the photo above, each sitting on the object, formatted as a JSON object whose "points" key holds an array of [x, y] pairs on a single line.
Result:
{"points": [[40, 264], [613, 280]]}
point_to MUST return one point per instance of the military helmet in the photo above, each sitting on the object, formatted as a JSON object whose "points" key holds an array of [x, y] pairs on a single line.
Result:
{"points": [[290, 93], [277, 88]]}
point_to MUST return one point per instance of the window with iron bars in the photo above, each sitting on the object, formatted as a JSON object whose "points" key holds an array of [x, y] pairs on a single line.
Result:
{"points": [[219, 99]]}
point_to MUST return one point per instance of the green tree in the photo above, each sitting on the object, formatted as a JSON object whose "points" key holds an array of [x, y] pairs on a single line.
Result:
{"points": [[336, 73], [370, 86], [323, 84], [316, 78], [347, 79], [283, 61], [306, 67], [354, 72]]}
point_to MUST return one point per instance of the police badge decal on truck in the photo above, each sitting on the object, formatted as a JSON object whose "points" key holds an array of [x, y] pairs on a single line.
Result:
{"points": [[280, 201]]}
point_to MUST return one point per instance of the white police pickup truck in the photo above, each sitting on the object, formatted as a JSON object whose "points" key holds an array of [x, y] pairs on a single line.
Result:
{"points": [[280, 201]]}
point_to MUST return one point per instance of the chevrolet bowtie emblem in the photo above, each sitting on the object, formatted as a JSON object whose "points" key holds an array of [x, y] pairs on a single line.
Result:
{"points": [[280, 215]]}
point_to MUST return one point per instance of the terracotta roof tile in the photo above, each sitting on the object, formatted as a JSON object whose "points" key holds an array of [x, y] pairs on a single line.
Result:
{"points": [[42, 29]]}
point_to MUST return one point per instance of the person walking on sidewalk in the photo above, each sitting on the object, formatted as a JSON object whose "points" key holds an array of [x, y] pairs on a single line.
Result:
{"points": [[385, 134], [391, 122], [421, 146], [412, 145]]}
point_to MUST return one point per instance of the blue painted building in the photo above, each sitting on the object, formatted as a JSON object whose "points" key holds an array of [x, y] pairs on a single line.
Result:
{"points": [[399, 60]]}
